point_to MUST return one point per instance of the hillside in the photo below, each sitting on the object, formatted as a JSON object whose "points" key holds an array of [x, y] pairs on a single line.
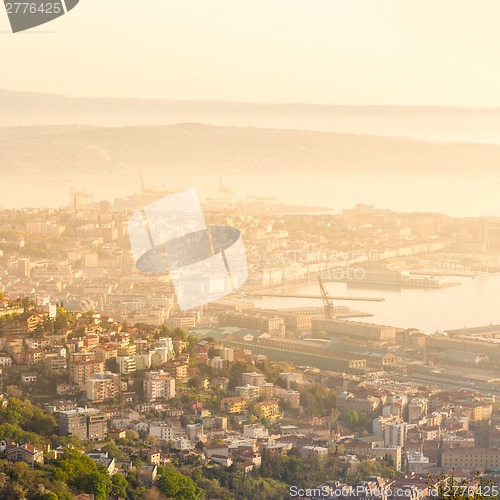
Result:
{"points": [[206, 149], [422, 122]]}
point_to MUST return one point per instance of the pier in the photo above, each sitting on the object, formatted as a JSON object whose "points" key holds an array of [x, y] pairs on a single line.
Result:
{"points": [[302, 296]]}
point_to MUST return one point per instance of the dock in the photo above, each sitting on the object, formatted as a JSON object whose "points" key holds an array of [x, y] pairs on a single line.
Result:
{"points": [[302, 296]]}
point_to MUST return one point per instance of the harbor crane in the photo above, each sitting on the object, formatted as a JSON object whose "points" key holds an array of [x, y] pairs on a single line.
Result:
{"points": [[327, 300]]}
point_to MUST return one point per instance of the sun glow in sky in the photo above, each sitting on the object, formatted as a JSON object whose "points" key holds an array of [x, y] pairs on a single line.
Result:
{"points": [[413, 52]]}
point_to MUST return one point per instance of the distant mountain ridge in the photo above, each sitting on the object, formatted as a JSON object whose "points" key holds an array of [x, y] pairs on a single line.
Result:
{"points": [[422, 122], [205, 149]]}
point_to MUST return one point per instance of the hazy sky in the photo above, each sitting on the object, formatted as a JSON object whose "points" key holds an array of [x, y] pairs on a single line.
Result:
{"points": [[443, 52]]}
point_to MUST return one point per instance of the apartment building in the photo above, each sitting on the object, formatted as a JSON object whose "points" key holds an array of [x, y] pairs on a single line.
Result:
{"points": [[55, 364], [178, 370], [248, 392], [292, 399], [126, 364], [80, 371], [159, 385], [89, 424], [347, 402], [267, 409], [102, 386], [234, 405], [253, 378], [164, 431]]}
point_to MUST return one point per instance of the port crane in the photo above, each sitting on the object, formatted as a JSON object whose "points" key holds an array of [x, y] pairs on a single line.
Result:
{"points": [[225, 193], [327, 300]]}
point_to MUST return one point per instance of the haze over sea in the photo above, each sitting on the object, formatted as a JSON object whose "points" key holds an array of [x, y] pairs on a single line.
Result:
{"points": [[453, 195]]}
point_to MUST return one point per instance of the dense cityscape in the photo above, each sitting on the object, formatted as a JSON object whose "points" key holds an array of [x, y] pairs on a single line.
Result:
{"points": [[249, 250], [110, 390]]}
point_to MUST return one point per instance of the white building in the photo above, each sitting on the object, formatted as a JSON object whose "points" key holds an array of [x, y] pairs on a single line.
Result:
{"points": [[159, 385], [5, 360], [182, 444], [127, 364], [380, 423], [248, 392], [143, 361], [395, 434], [416, 462], [255, 431], [253, 378], [195, 433], [163, 354], [166, 432], [217, 363], [310, 451], [417, 409]]}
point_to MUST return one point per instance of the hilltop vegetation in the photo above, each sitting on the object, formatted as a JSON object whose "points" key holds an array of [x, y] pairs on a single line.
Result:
{"points": [[205, 149]]}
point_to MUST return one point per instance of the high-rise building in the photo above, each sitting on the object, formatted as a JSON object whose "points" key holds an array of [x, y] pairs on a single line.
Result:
{"points": [[292, 398], [253, 378], [89, 424], [179, 370], [158, 385], [164, 431], [127, 364], [103, 386], [248, 392], [80, 371], [395, 434], [23, 268]]}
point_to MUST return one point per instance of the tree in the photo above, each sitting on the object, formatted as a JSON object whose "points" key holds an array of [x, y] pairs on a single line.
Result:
{"points": [[317, 399], [352, 419], [119, 485], [173, 484], [82, 473], [131, 434], [150, 440], [180, 334], [111, 365], [48, 495], [63, 319], [114, 451]]}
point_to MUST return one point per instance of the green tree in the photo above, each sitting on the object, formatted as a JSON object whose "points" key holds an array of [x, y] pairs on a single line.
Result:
{"points": [[352, 419], [82, 473], [173, 484], [119, 485], [48, 495]]}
